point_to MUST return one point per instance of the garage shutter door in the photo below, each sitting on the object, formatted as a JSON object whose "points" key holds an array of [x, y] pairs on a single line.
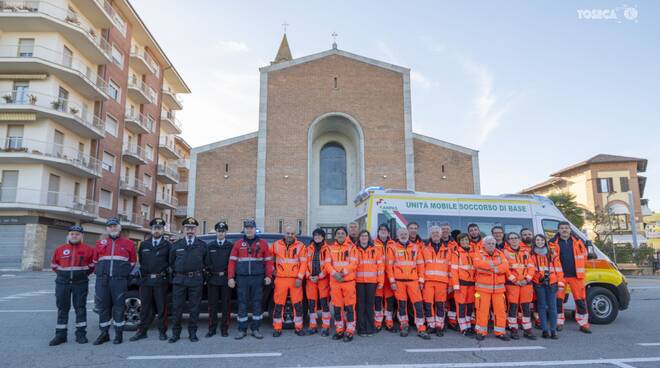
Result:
{"points": [[11, 246], [54, 237]]}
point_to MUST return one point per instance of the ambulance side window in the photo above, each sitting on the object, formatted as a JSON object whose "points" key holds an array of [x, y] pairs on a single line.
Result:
{"points": [[550, 227]]}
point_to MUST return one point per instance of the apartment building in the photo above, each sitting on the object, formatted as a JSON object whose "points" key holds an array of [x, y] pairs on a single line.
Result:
{"points": [[88, 125], [603, 183]]}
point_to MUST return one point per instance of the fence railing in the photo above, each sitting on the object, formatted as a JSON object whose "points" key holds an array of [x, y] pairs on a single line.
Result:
{"points": [[167, 170], [139, 118], [76, 110], [37, 197], [134, 150], [132, 183], [37, 148], [143, 87]]}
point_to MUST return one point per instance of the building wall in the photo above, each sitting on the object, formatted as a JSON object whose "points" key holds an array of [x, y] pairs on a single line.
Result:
{"points": [[429, 162], [298, 95], [232, 199]]}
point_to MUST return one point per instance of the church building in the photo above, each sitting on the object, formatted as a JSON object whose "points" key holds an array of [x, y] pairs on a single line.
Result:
{"points": [[330, 124]]}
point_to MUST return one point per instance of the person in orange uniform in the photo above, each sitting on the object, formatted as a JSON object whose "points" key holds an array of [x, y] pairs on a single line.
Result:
{"points": [[413, 234], [317, 286], [475, 237], [385, 295], [491, 272], [448, 241], [519, 290], [370, 277], [290, 269], [437, 258], [573, 256], [462, 279], [341, 263], [548, 280], [405, 270]]}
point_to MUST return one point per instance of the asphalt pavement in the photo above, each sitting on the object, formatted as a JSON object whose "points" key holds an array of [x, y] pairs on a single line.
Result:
{"points": [[27, 320]]}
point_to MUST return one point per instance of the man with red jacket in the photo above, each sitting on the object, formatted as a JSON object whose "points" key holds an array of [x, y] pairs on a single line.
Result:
{"points": [[72, 263], [114, 258], [250, 267]]}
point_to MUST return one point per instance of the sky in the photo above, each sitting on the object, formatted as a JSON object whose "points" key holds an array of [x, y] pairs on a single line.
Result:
{"points": [[535, 86]]}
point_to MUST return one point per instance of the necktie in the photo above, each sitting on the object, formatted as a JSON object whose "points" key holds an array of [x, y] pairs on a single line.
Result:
{"points": [[189, 241]]}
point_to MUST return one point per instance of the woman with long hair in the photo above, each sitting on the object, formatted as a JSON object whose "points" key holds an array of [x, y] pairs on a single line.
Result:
{"points": [[369, 277], [548, 279]]}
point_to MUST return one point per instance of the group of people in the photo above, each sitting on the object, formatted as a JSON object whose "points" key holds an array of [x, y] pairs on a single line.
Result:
{"points": [[456, 280]]}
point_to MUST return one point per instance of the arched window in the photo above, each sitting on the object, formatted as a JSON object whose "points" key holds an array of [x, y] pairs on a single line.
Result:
{"points": [[332, 181]]}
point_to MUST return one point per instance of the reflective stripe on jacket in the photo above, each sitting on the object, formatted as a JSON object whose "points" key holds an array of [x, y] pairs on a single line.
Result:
{"points": [[342, 258], [404, 262], [580, 254], [437, 264], [542, 264], [491, 271], [462, 266], [520, 264], [291, 260], [371, 264]]}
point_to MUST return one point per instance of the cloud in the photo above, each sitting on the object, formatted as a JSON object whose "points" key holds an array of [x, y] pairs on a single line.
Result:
{"points": [[232, 47], [420, 79]]}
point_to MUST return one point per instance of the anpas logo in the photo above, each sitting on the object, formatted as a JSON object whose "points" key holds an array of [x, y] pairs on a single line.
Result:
{"points": [[383, 205]]}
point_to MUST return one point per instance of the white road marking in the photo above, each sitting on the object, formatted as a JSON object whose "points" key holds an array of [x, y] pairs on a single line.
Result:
{"points": [[448, 350], [649, 344], [26, 295], [623, 365], [621, 362], [7, 275], [644, 287], [204, 356]]}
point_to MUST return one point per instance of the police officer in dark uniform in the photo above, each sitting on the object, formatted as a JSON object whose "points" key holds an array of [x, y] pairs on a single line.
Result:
{"points": [[154, 265], [218, 290], [187, 259], [72, 263]]}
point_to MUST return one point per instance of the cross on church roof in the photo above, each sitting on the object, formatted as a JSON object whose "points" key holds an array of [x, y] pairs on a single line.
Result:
{"points": [[284, 25], [334, 40]]}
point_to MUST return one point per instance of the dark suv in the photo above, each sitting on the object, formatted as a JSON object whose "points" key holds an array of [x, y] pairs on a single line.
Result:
{"points": [[133, 303]]}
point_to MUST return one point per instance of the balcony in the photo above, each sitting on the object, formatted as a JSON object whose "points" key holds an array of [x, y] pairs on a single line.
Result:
{"points": [[41, 16], [167, 147], [172, 100], [69, 113], [164, 201], [42, 60], [44, 201], [138, 123], [181, 211], [134, 154], [132, 186], [183, 164], [181, 187], [67, 159], [142, 62], [132, 220], [140, 92], [167, 174], [99, 12], [169, 123]]}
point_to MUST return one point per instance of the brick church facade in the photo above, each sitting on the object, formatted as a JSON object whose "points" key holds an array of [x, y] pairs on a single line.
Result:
{"points": [[330, 124]]}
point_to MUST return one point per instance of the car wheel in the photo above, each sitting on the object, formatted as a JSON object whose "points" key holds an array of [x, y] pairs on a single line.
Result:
{"points": [[133, 306], [603, 305]]}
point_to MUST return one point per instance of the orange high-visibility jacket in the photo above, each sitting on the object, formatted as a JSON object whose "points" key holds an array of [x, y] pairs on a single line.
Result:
{"points": [[323, 254], [290, 261], [341, 258], [520, 264], [437, 264], [549, 263], [371, 264], [476, 246], [404, 263], [491, 271], [580, 254], [462, 267]]}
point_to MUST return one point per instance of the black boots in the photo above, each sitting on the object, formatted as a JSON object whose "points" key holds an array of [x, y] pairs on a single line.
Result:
{"points": [[277, 333], [81, 336], [176, 335], [192, 335], [257, 335], [119, 337], [103, 338], [583, 329], [60, 338], [162, 335], [514, 334], [528, 334], [241, 335], [211, 333], [141, 334]]}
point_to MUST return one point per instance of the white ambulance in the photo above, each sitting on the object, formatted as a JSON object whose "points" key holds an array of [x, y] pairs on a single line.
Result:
{"points": [[607, 290]]}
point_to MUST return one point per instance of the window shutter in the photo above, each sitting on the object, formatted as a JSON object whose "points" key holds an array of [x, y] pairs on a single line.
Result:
{"points": [[599, 187], [610, 187]]}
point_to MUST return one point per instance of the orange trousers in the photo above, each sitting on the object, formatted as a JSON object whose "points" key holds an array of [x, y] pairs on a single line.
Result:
{"points": [[287, 286], [484, 302], [464, 298], [384, 306], [435, 296], [519, 298], [343, 297], [317, 299], [409, 290], [579, 293]]}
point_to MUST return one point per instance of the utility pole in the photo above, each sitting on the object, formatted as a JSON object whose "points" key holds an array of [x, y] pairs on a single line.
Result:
{"points": [[633, 221]]}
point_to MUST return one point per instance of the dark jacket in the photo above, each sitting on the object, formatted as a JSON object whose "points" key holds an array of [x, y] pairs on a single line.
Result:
{"points": [[154, 261], [187, 262], [250, 257], [114, 258], [217, 262]]}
